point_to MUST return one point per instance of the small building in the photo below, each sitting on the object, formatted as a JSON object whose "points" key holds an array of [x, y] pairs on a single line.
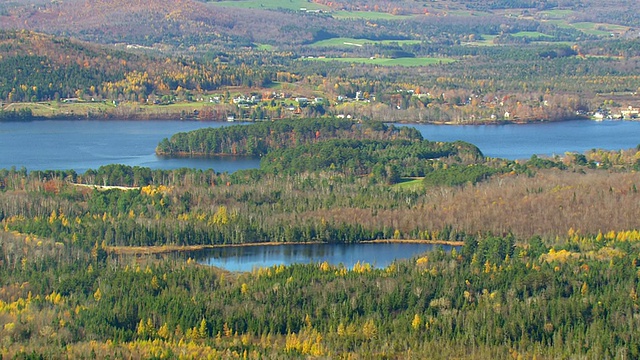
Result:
{"points": [[630, 113]]}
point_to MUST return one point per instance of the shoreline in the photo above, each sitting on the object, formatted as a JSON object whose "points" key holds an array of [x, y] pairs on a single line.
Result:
{"points": [[165, 249], [175, 115]]}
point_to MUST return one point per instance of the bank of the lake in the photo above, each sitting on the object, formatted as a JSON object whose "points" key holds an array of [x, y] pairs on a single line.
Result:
{"points": [[248, 258], [147, 250]]}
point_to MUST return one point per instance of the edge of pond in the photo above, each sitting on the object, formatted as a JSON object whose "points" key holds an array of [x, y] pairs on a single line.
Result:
{"points": [[163, 249]]}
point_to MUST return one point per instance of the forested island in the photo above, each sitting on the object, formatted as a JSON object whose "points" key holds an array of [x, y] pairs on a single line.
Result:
{"points": [[546, 250]]}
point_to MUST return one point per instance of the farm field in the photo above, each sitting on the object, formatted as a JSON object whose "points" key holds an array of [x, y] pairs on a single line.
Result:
{"points": [[591, 28], [418, 61], [531, 34], [271, 4], [347, 42], [369, 15]]}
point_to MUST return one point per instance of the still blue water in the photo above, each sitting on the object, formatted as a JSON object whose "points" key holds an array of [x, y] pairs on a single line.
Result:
{"points": [[246, 258], [87, 144], [548, 139]]}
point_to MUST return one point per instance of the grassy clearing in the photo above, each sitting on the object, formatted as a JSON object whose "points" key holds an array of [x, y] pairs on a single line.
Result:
{"points": [[418, 61], [351, 42], [487, 40], [591, 28], [271, 4], [409, 184], [599, 29], [531, 34], [52, 108], [556, 14], [87, 109], [369, 15], [467, 13], [264, 47]]}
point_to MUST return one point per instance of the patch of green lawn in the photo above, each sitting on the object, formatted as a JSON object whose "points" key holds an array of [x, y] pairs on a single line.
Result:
{"points": [[418, 61], [591, 28], [486, 40], [264, 47], [599, 29], [409, 184], [369, 15], [474, 13], [531, 34]]}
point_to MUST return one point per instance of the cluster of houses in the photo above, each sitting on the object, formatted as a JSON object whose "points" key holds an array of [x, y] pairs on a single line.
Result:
{"points": [[630, 113]]}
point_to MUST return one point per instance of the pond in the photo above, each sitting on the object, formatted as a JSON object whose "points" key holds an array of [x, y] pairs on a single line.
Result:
{"points": [[246, 258]]}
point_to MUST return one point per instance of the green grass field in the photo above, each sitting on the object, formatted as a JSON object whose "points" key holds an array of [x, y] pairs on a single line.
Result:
{"points": [[591, 28], [351, 42], [531, 34], [55, 109], [52, 108], [368, 15], [418, 61], [272, 4], [487, 40], [264, 47], [467, 13], [408, 184], [599, 29]]}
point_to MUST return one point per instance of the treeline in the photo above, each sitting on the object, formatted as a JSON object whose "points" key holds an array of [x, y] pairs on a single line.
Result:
{"points": [[495, 297], [385, 160], [457, 174], [260, 138]]}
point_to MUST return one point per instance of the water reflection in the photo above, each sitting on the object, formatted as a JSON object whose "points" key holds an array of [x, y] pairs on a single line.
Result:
{"points": [[246, 258]]}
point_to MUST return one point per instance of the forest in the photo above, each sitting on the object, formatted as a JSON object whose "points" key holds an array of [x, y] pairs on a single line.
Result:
{"points": [[545, 263], [454, 61], [543, 254]]}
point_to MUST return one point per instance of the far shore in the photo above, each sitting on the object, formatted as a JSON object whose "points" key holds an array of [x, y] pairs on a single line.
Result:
{"points": [[190, 111], [163, 249]]}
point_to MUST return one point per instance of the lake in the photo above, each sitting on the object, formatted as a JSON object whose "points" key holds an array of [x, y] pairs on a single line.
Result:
{"points": [[89, 144], [246, 258], [548, 138]]}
